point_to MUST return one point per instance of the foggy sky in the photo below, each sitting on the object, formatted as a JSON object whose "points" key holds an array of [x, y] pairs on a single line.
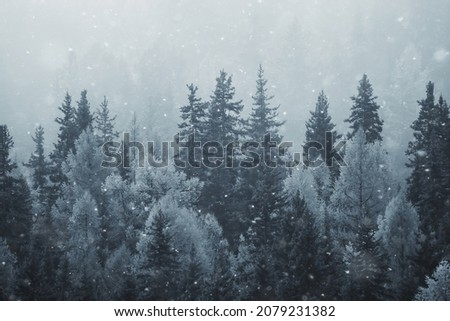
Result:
{"points": [[140, 54]]}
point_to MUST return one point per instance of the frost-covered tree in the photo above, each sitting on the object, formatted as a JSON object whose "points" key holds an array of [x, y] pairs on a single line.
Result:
{"points": [[361, 195], [438, 285], [117, 278], [83, 259], [363, 189], [220, 285], [398, 231], [365, 113], [83, 168]]}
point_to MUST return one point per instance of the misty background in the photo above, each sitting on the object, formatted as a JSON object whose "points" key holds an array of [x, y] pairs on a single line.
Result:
{"points": [[141, 54]]}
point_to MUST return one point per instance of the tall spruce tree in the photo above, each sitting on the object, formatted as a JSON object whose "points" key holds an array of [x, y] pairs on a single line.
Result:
{"points": [[222, 125], [316, 128], [261, 186], [83, 115], [67, 136], [6, 181], [428, 183], [193, 123], [39, 165], [15, 201], [299, 256], [159, 259], [263, 118], [104, 123], [365, 113]]}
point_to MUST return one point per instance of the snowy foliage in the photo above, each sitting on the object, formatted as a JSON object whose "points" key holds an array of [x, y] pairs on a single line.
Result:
{"points": [[438, 285]]}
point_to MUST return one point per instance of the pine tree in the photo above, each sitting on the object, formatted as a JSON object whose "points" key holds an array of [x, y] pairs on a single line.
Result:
{"points": [[263, 118], [398, 231], [365, 113], [222, 121], [15, 202], [40, 166], [67, 136], [438, 286], [8, 272], [316, 128], [318, 124], [83, 116], [6, 167], [104, 124], [193, 114], [159, 266], [222, 125], [83, 260], [428, 183], [299, 253], [361, 195], [194, 279], [193, 123], [267, 179]]}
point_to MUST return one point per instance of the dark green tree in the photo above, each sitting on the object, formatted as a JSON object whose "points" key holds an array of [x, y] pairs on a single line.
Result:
{"points": [[299, 253], [83, 116], [159, 271], [316, 128], [365, 113], [67, 136], [39, 165], [223, 125], [193, 123], [428, 184]]}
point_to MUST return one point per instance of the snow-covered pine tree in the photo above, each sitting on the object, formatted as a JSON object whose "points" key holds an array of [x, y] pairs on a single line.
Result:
{"points": [[399, 233], [438, 285], [365, 113], [82, 249], [361, 195]]}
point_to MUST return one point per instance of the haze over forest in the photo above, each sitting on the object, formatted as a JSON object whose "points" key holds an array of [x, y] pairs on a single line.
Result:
{"points": [[141, 54]]}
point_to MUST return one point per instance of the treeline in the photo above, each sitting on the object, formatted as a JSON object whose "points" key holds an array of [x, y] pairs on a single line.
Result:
{"points": [[73, 230]]}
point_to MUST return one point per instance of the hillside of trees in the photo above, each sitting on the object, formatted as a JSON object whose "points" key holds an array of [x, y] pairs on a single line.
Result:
{"points": [[71, 229]]}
